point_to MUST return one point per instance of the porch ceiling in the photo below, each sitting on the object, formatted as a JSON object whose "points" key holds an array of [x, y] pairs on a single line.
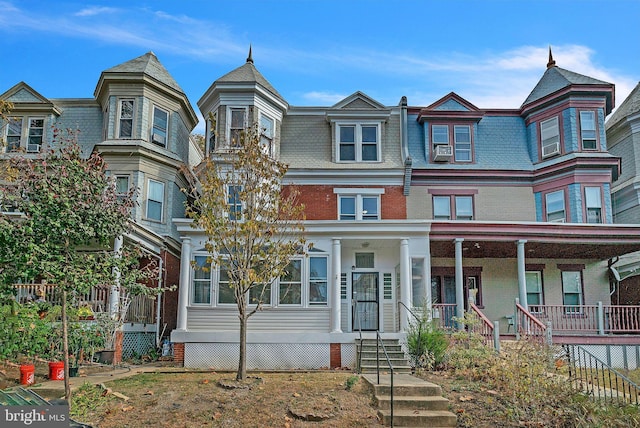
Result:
{"points": [[472, 248]]}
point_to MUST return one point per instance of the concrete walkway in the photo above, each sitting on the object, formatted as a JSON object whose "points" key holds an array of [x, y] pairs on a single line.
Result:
{"points": [[53, 389]]}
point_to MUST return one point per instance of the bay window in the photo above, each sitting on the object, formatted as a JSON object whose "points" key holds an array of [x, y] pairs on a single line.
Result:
{"points": [[555, 206], [588, 130]]}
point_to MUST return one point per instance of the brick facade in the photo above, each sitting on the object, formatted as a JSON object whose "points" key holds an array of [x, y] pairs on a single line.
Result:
{"points": [[321, 203], [178, 353], [335, 355]]}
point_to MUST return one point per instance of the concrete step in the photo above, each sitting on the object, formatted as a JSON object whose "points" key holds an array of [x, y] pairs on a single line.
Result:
{"points": [[372, 348], [396, 369], [412, 402], [418, 418]]}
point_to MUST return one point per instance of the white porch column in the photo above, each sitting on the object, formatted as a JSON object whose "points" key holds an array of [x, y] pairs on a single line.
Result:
{"points": [[114, 297], [185, 276], [522, 279], [336, 268], [459, 281], [405, 284]]}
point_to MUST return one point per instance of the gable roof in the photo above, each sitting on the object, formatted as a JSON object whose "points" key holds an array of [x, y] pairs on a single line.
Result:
{"points": [[629, 106], [147, 64], [358, 100], [556, 78], [450, 106], [24, 96]]}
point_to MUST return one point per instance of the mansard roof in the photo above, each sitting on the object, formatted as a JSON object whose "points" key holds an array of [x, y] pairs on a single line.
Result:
{"points": [[555, 78], [147, 64], [629, 106]]}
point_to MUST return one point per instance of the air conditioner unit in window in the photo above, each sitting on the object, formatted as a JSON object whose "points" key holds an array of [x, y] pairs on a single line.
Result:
{"points": [[551, 149], [442, 153], [33, 148], [158, 139]]}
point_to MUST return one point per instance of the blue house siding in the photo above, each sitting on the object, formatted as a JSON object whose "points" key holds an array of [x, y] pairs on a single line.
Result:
{"points": [[608, 207], [538, 198], [575, 203], [569, 127]]}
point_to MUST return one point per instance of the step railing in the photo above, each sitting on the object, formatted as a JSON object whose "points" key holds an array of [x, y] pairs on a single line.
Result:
{"points": [[380, 343], [528, 325], [483, 326], [595, 377]]}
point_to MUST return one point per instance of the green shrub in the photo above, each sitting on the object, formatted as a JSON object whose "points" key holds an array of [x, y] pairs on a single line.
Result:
{"points": [[426, 344]]}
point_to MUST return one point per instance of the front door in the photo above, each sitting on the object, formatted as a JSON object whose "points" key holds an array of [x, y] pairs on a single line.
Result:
{"points": [[365, 294]]}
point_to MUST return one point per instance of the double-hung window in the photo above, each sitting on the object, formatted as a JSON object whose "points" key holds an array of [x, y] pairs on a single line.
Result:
{"points": [[593, 204], [35, 135], [462, 143], [201, 281], [290, 287], [14, 134], [234, 202], [213, 131], [122, 185], [588, 130], [237, 122], [160, 125], [533, 281], [358, 142], [226, 294], [572, 290], [555, 206], [462, 207], [155, 200], [359, 207], [550, 137], [125, 118], [318, 280], [266, 134]]}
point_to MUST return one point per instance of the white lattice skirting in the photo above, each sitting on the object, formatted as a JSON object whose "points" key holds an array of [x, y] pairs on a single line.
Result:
{"points": [[265, 356]]}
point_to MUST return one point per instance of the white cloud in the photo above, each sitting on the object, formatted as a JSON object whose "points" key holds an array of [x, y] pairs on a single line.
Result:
{"points": [[95, 10], [323, 98]]}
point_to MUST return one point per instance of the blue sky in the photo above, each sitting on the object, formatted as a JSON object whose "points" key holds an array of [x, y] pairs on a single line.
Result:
{"points": [[491, 53]]}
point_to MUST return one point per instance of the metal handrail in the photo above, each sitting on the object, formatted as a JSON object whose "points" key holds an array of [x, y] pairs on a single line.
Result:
{"points": [[408, 310], [355, 310], [608, 381], [386, 355]]}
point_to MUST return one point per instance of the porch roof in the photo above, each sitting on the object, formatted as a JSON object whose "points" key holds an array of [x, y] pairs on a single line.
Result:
{"points": [[543, 240]]}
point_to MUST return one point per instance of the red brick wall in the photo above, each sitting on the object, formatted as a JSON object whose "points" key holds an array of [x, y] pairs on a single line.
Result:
{"points": [[322, 204], [335, 355], [178, 353]]}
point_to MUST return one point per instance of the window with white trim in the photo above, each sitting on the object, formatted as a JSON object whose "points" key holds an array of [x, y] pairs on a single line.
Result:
{"points": [[588, 130], [533, 280], [318, 280], [461, 205], [593, 204], [358, 142], [237, 120], [125, 118], [267, 129], [234, 202], [155, 200], [201, 292], [160, 126], [226, 294], [462, 143], [554, 202], [213, 131], [122, 185], [260, 294], [572, 290], [550, 136], [290, 284], [359, 207], [14, 134], [25, 134]]}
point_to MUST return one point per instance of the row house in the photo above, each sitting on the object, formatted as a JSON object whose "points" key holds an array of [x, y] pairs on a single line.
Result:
{"points": [[140, 121], [446, 207]]}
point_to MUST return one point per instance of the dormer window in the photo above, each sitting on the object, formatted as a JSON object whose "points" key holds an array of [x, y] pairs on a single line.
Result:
{"points": [[358, 142], [160, 124], [25, 134], [588, 130], [444, 147], [550, 137]]}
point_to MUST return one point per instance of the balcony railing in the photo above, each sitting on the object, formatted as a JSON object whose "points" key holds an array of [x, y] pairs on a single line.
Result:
{"points": [[141, 310], [445, 313]]}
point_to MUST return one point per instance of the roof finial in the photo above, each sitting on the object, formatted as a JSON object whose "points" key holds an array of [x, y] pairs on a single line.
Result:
{"points": [[551, 62], [250, 57]]}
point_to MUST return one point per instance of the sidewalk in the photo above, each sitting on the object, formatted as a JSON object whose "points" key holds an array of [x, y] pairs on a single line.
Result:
{"points": [[53, 389]]}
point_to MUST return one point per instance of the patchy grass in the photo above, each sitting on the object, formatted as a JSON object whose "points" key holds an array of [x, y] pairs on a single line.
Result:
{"points": [[197, 400]]}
